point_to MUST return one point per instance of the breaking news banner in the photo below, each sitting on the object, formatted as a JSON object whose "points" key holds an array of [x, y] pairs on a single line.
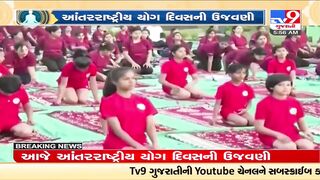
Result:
{"points": [[72, 153], [34, 17]]}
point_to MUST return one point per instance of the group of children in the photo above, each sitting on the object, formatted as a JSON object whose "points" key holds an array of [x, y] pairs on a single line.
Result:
{"points": [[117, 60]]}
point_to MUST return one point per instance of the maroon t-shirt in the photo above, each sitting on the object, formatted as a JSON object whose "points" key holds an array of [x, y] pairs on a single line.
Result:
{"points": [[183, 44], [243, 56], [303, 40], [292, 47], [97, 37], [52, 47], [122, 38], [204, 43], [214, 49], [68, 40], [78, 29], [12, 60], [12, 29], [38, 33], [138, 51], [239, 42]]}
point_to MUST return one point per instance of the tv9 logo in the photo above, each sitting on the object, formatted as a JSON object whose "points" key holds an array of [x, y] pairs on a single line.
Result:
{"points": [[284, 22]]}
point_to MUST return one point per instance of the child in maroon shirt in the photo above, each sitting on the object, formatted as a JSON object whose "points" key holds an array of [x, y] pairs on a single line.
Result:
{"points": [[115, 55], [169, 38], [138, 52], [126, 118], [67, 37], [122, 37], [237, 40], [292, 45], [261, 41], [101, 58], [12, 97], [250, 59], [261, 30], [22, 62], [8, 44], [145, 35], [277, 115], [97, 36], [233, 99], [212, 54], [80, 43], [54, 49]]}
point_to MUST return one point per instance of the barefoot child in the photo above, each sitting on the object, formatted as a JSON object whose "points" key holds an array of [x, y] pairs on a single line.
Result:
{"points": [[127, 116], [174, 76], [277, 114], [12, 96], [73, 82], [234, 99]]}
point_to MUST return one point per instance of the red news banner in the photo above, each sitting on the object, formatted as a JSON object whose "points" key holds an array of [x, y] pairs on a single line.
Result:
{"points": [[73, 153]]}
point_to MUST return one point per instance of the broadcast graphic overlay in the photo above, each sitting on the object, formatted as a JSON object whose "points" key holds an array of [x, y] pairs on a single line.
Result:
{"points": [[285, 22], [69, 141]]}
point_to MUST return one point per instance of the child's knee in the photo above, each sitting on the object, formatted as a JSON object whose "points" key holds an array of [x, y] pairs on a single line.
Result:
{"points": [[82, 100], [26, 132], [307, 145], [184, 94], [242, 122], [288, 146], [71, 100]]}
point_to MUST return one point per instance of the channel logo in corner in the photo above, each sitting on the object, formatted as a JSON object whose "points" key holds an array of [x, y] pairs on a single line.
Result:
{"points": [[285, 22], [32, 17]]}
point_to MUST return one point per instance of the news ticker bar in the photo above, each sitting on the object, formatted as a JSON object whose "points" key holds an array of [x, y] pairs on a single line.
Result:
{"points": [[72, 152], [185, 17]]}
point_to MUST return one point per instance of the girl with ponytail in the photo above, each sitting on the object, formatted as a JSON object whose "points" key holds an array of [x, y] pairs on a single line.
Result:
{"points": [[127, 116]]}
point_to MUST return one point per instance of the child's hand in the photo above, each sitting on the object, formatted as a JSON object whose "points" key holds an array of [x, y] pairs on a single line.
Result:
{"points": [[141, 147], [242, 111], [213, 121], [97, 101], [57, 102], [283, 138], [147, 65], [176, 90], [31, 122], [308, 135], [136, 66], [155, 146]]}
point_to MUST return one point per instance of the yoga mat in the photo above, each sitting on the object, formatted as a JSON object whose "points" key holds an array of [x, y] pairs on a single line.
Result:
{"points": [[200, 114], [90, 121], [232, 139], [158, 93], [138, 85], [48, 96], [312, 108], [9, 138]]}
